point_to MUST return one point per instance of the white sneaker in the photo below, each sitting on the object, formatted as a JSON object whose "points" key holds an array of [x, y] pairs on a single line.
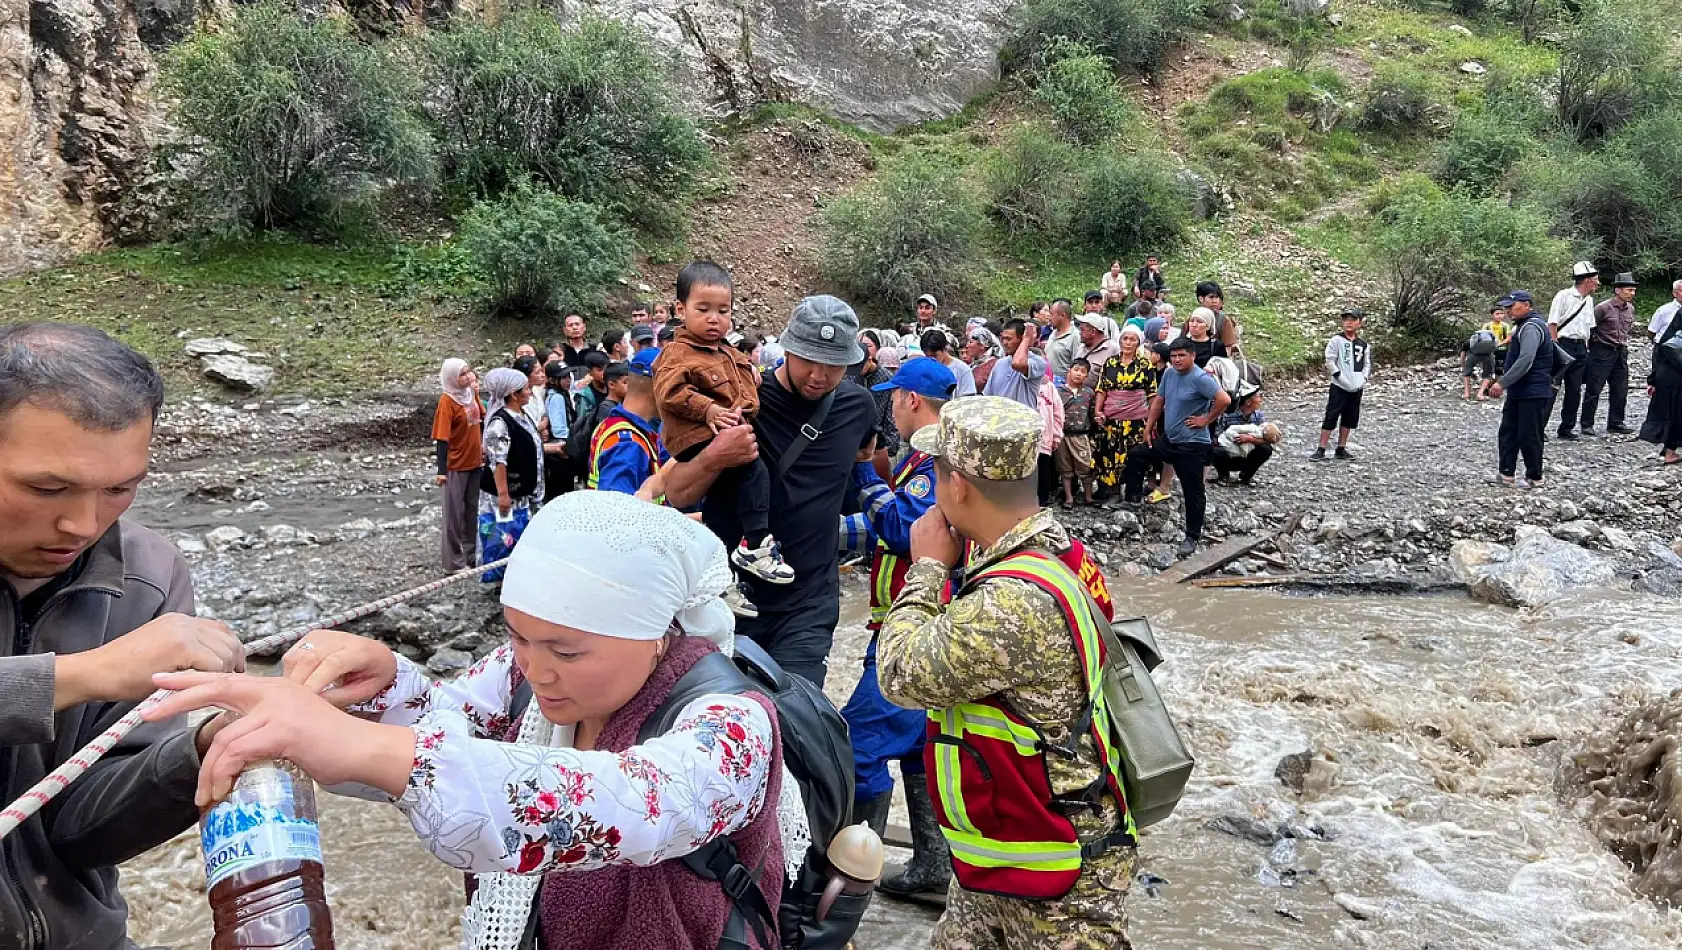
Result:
{"points": [[738, 601], [764, 562]]}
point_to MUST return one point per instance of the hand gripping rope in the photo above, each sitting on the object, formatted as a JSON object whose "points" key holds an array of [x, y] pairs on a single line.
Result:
{"points": [[31, 801]]}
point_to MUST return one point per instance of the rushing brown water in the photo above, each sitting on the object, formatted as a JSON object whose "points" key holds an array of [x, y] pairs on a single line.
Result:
{"points": [[1431, 814]]}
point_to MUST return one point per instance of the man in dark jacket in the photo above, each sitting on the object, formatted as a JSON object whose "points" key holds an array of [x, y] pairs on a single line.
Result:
{"points": [[90, 608], [1527, 379]]}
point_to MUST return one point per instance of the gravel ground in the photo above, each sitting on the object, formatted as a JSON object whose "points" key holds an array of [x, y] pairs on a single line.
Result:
{"points": [[1420, 481]]}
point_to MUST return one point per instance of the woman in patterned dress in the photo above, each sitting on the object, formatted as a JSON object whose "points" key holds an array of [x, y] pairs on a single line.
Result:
{"points": [[564, 814], [1121, 406]]}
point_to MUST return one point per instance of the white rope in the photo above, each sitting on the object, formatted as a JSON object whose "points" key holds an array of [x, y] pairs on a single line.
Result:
{"points": [[60, 778]]}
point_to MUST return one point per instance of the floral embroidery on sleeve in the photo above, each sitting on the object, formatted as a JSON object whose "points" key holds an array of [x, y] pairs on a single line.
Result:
{"points": [[531, 809], [481, 694]]}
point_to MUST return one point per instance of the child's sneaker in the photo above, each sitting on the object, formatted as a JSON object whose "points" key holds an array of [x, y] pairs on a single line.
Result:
{"points": [[737, 599], [1319, 455], [764, 562], [1343, 454]]}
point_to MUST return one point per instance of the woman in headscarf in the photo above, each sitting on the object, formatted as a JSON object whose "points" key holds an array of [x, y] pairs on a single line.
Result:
{"points": [[455, 434], [1121, 406], [511, 486], [982, 351], [1199, 330], [570, 821], [1663, 425], [870, 374]]}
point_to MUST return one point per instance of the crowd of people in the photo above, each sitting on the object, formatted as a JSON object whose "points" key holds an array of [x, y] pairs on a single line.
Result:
{"points": [[1125, 418], [677, 495]]}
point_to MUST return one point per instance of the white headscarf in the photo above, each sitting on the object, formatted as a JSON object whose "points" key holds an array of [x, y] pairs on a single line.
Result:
{"points": [[610, 564], [502, 382], [449, 377]]}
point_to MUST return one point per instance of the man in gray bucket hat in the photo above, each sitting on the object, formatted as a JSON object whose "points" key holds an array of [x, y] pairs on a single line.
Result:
{"points": [[811, 428]]}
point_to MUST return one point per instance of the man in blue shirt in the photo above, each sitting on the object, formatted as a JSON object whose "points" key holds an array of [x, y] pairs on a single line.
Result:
{"points": [[880, 730], [1187, 402], [1019, 375], [625, 449]]}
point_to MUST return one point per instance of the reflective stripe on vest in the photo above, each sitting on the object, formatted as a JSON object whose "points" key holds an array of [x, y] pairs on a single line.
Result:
{"points": [[987, 767], [610, 430], [887, 574]]}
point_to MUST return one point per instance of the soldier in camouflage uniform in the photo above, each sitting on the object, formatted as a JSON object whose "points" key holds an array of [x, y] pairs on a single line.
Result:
{"points": [[1005, 639]]}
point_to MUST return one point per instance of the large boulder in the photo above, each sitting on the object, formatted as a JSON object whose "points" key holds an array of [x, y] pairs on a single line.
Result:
{"points": [[881, 65], [1468, 559], [238, 373], [1539, 569]]}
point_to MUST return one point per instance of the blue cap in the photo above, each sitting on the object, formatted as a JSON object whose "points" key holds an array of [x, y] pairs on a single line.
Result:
{"points": [[925, 376], [642, 364], [1520, 296]]}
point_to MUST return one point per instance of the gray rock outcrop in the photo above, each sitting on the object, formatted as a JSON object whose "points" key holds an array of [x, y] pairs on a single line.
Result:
{"points": [[880, 65]]}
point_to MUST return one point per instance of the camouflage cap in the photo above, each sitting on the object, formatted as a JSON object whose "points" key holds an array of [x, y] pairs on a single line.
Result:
{"points": [[985, 437]]}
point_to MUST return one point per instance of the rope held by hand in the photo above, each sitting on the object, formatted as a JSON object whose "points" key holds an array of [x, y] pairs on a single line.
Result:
{"points": [[45, 790]]}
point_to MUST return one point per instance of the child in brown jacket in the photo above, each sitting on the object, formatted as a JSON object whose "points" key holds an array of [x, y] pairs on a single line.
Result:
{"points": [[703, 384]]}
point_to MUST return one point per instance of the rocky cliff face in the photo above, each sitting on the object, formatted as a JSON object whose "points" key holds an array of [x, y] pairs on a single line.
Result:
{"points": [[76, 125], [880, 64]]}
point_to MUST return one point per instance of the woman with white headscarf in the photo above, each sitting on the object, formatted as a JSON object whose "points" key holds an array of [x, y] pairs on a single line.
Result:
{"points": [[570, 822], [456, 436], [511, 484], [982, 351]]}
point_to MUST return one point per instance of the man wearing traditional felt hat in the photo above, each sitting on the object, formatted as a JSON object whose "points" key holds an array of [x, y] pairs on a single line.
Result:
{"points": [[1609, 357], [1017, 646]]}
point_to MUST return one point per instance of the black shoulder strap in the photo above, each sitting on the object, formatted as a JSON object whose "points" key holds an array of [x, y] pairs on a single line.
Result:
{"points": [[1574, 314], [808, 434]]}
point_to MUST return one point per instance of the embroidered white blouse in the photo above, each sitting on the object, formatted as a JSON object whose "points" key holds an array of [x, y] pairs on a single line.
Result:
{"points": [[483, 805]]}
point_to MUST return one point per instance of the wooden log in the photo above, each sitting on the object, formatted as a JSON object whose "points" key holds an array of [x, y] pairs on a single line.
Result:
{"points": [[1213, 559]]}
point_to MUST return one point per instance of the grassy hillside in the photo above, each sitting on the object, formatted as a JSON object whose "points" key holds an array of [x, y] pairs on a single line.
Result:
{"points": [[1295, 139]]}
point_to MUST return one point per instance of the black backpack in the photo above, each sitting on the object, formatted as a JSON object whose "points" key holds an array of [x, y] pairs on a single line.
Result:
{"points": [[819, 756]]}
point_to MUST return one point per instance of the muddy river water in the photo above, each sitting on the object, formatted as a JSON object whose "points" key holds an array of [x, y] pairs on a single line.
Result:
{"points": [[1432, 818]]}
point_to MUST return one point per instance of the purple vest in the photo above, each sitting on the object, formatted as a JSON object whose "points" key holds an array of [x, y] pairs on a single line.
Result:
{"points": [[665, 906]]}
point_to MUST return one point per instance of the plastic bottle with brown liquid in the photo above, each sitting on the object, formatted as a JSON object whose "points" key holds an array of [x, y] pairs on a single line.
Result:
{"points": [[262, 862]]}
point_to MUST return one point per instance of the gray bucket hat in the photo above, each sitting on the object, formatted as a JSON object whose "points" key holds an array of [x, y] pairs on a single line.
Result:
{"points": [[824, 330]]}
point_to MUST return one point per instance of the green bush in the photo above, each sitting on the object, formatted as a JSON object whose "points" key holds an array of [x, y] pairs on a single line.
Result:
{"points": [[1614, 64], [1480, 151], [292, 122], [1030, 183], [1399, 101], [1082, 95], [1135, 34], [1131, 202], [915, 229], [1620, 203], [1444, 250], [538, 252], [588, 109]]}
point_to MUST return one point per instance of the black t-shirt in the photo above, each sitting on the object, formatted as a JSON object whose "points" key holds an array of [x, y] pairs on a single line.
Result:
{"points": [[806, 504]]}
